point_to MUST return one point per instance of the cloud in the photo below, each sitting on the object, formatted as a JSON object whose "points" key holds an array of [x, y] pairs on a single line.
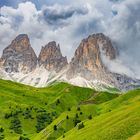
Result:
{"points": [[57, 14], [68, 22], [125, 32]]}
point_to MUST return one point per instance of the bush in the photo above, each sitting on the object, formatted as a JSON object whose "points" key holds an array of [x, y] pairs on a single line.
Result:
{"points": [[1, 133], [27, 114], [90, 117], [42, 120], [8, 115], [78, 109], [57, 102], [55, 127], [67, 117], [76, 121], [1, 130], [16, 125], [76, 116], [81, 113], [80, 126], [1, 137], [23, 138], [69, 109]]}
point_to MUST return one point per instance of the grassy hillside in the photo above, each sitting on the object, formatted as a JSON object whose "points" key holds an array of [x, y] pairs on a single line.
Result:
{"points": [[116, 119], [66, 112], [25, 110]]}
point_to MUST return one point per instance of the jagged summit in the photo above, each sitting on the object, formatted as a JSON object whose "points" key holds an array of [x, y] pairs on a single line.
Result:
{"points": [[20, 43], [87, 69], [87, 60], [51, 57], [19, 55]]}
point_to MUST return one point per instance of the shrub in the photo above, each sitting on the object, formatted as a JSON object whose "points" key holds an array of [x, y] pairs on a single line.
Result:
{"points": [[76, 121], [27, 114], [1, 130], [55, 127], [23, 138], [90, 117], [16, 125], [67, 117], [81, 113], [8, 115], [78, 109], [57, 102], [69, 109], [42, 119], [80, 126], [76, 116], [2, 137]]}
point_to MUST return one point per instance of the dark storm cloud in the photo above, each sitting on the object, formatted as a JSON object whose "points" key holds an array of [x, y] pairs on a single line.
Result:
{"points": [[57, 14]]}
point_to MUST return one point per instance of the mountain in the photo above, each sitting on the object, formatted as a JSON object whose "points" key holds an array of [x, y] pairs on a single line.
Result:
{"points": [[19, 56], [87, 62], [86, 69], [51, 57]]}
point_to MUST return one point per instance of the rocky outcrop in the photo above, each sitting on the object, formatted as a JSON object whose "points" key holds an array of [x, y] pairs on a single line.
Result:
{"points": [[51, 57], [88, 63], [19, 56], [86, 69], [87, 60]]}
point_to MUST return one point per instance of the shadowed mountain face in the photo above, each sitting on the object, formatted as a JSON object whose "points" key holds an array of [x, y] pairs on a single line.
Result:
{"points": [[86, 68]]}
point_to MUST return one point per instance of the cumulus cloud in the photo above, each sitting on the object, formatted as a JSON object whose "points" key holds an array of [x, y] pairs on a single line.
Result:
{"points": [[68, 22], [125, 31]]}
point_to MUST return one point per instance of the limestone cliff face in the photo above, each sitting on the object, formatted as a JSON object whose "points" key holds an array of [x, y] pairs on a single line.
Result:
{"points": [[51, 57], [19, 56], [88, 63], [87, 67], [87, 60]]}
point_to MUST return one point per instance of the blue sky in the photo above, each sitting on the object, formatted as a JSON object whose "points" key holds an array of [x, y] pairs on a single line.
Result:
{"points": [[38, 3], [14, 3], [69, 21]]}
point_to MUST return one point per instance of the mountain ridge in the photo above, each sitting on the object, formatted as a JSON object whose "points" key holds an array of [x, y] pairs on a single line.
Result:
{"points": [[86, 69]]}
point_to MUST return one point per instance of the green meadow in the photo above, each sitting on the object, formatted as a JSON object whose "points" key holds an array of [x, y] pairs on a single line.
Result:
{"points": [[66, 112]]}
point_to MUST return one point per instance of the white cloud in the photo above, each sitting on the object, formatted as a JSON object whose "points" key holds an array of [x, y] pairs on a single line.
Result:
{"points": [[71, 21], [125, 31]]}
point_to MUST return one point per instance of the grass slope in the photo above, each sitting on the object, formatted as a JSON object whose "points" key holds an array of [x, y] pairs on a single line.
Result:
{"points": [[33, 112], [118, 119], [26, 104], [83, 110]]}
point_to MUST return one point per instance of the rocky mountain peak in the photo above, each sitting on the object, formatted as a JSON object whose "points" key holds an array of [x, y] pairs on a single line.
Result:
{"points": [[51, 57], [105, 45], [20, 43], [86, 68], [19, 55], [90, 50], [87, 60]]}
